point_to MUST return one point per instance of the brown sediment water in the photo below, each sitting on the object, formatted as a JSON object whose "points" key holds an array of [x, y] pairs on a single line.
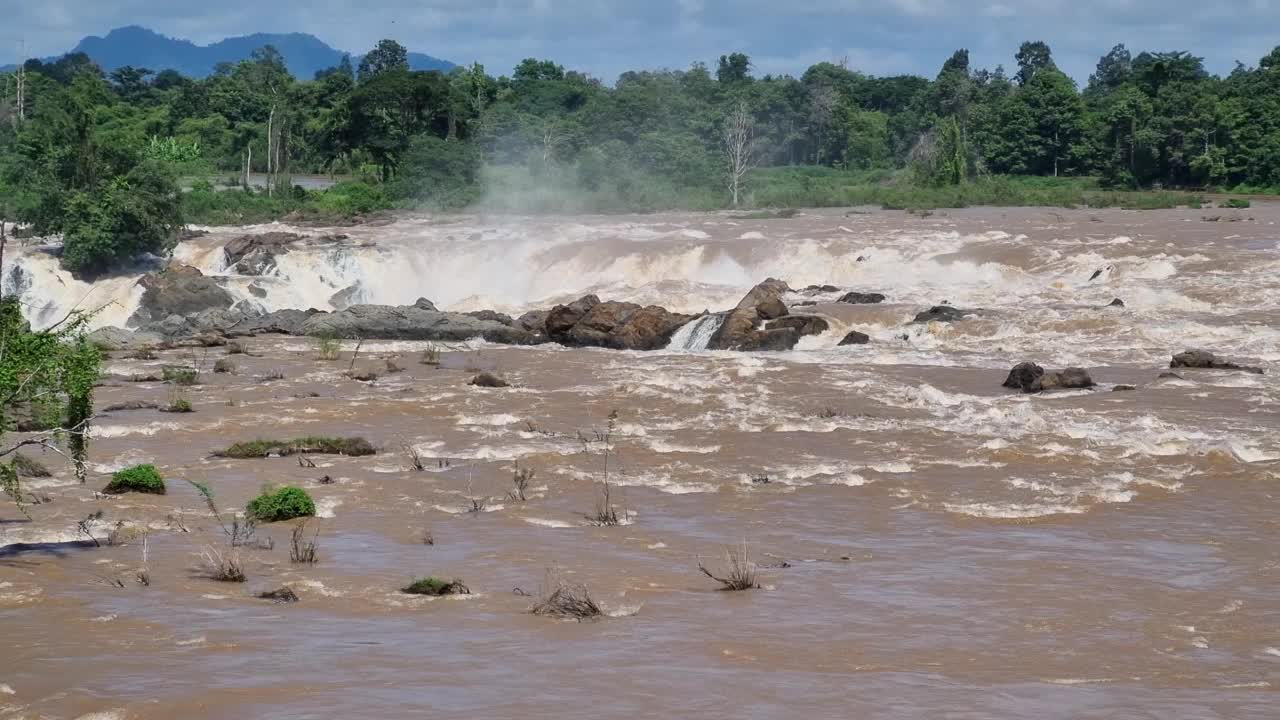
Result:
{"points": [[931, 545]]}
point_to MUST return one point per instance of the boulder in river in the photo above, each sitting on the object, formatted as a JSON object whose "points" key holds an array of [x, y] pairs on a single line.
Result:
{"points": [[285, 322], [942, 313], [1117, 302], [1029, 377], [861, 298], [855, 338], [741, 327], [803, 324], [410, 322], [1205, 360], [488, 380], [256, 254], [587, 322], [179, 290]]}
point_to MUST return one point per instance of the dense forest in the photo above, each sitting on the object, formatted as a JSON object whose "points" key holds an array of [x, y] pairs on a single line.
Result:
{"points": [[100, 158]]}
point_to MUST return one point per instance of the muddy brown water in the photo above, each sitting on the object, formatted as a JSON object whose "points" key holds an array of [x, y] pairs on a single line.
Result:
{"points": [[930, 545]]}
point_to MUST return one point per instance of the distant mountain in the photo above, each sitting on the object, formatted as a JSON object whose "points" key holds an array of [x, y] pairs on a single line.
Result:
{"points": [[140, 47]]}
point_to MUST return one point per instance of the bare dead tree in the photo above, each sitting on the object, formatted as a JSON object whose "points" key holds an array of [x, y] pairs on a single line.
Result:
{"points": [[739, 147], [21, 113], [823, 101]]}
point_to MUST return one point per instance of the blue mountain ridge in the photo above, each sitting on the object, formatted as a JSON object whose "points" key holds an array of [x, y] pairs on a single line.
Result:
{"points": [[139, 47]]}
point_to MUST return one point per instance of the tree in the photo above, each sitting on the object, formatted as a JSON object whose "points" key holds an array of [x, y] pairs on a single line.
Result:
{"points": [[124, 218], [1114, 69], [739, 147], [52, 372], [388, 56], [733, 68], [1058, 113], [1032, 57]]}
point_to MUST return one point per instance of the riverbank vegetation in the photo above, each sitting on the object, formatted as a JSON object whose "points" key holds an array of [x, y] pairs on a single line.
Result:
{"points": [[117, 162]]}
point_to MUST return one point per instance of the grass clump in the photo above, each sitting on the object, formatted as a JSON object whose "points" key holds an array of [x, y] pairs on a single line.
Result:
{"points": [[436, 586], [354, 447], [286, 503], [236, 347], [302, 550], [225, 366], [139, 479], [328, 347], [739, 572], [220, 566], [1236, 204], [180, 375]]}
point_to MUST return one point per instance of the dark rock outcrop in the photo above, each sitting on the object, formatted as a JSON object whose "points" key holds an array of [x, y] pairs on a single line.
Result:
{"points": [[814, 289], [861, 298], [1116, 303], [285, 322], [114, 338], [534, 321], [855, 338], [493, 316], [256, 254], [587, 322], [1025, 377], [179, 290], [420, 321], [803, 324], [346, 297], [741, 327], [942, 313], [1205, 360], [1029, 377]]}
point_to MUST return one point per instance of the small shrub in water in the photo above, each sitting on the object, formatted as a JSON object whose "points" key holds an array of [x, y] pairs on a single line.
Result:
{"points": [[302, 550], [224, 366], [139, 479], [354, 447], [562, 599], [223, 567], [436, 586], [740, 572], [237, 348], [328, 347], [180, 375], [285, 503], [178, 405]]}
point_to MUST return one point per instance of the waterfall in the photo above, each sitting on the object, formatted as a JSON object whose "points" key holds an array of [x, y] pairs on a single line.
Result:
{"points": [[696, 334]]}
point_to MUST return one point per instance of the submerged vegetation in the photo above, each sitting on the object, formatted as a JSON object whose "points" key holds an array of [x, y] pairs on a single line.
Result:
{"points": [[117, 162], [436, 586], [353, 446]]}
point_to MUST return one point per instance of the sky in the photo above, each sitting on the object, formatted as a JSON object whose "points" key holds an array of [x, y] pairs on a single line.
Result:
{"points": [[606, 37]]}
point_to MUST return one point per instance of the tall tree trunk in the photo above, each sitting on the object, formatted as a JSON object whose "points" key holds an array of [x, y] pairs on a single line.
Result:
{"points": [[270, 121]]}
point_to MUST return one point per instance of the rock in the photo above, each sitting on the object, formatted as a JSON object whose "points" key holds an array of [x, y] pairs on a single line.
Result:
{"points": [[493, 316], [772, 308], [1095, 275], [179, 290], [815, 289], [770, 289], [734, 332], [861, 298], [284, 322], [1205, 360], [131, 405], [942, 313], [256, 254], [1123, 388], [1029, 377], [1025, 377], [410, 322], [346, 297], [114, 338], [1116, 303], [488, 380], [1169, 376], [1068, 379], [855, 338], [648, 328], [425, 304], [561, 318], [534, 321], [773, 340], [803, 324]]}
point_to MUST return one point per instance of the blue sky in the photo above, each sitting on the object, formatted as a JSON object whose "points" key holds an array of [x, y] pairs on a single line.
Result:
{"points": [[605, 37]]}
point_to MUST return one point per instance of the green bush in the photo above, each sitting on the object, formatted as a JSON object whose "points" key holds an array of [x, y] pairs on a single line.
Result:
{"points": [[180, 375], [139, 478], [283, 504], [1237, 204], [108, 226]]}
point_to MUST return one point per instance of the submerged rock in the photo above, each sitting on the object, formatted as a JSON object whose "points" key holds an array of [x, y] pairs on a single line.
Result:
{"points": [[942, 313], [280, 595], [1116, 303], [855, 338], [1025, 377], [488, 380], [1205, 360], [861, 298]]}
